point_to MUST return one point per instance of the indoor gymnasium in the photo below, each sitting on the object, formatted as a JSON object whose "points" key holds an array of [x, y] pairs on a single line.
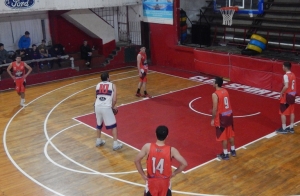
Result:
{"points": [[149, 97]]}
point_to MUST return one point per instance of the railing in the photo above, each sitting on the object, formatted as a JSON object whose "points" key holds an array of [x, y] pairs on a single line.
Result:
{"points": [[243, 40]]}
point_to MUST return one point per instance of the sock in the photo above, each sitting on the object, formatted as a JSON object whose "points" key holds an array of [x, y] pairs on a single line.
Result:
{"points": [[138, 90], [98, 140], [283, 126], [22, 101], [225, 151], [145, 92], [232, 147], [292, 126], [115, 143]]}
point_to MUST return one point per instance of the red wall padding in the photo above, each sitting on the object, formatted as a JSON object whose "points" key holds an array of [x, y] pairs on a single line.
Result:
{"points": [[251, 63], [212, 57], [212, 69]]}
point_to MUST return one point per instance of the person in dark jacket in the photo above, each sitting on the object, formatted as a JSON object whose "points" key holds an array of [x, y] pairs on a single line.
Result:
{"points": [[4, 58], [57, 51], [86, 53], [35, 54]]}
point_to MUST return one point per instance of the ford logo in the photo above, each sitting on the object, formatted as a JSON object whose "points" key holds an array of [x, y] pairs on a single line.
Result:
{"points": [[19, 4]]}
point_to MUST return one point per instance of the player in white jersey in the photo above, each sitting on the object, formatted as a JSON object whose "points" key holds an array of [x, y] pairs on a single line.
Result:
{"points": [[106, 99]]}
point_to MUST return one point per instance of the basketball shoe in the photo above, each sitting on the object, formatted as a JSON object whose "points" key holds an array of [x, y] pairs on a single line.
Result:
{"points": [[147, 95], [282, 131], [291, 130], [117, 146], [223, 156], [22, 103], [100, 143], [233, 153], [138, 95]]}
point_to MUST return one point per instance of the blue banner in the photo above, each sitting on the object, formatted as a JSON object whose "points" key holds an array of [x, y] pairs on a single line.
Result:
{"points": [[158, 11], [19, 4]]}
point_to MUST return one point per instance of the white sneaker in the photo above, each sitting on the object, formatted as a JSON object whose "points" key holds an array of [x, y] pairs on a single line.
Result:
{"points": [[118, 146], [22, 103], [101, 143]]}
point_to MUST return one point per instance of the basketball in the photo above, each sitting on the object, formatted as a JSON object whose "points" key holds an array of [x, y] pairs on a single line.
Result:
{"points": [[115, 111]]}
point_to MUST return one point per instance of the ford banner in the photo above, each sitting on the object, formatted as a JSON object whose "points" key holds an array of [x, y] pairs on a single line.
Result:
{"points": [[19, 4], [158, 11]]}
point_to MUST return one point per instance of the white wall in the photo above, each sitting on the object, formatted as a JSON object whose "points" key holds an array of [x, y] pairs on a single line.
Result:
{"points": [[135, 16], [67, 5], [91, 24]]}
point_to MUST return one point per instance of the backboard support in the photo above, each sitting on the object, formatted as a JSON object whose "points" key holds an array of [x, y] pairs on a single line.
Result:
{"points": [[245, 6]]}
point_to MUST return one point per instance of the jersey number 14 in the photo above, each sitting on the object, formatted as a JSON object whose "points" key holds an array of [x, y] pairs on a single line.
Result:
{"points": [[159, 166]]}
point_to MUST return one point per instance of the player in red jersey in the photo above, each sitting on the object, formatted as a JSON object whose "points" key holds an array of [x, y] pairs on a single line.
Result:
{"points": [[287, 99], [19, 76], [222, 118], [159, 162], [142, 66]]}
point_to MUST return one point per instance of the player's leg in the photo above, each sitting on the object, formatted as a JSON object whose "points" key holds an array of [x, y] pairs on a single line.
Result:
{"points": [[292, 116], [283, 128], [111, 124], [145, 88], [284, 110], [138, 92], [232, 147], [99, 119]]}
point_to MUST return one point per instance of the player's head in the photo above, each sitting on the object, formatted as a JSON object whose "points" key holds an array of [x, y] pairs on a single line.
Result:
{"points": [[162, 132], [1, 46], [18, 58], [287, 66], [218, 82], [143, 49], [104, 76]]}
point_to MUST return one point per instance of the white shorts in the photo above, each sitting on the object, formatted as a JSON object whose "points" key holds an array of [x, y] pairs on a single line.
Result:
{"points": [[106, 115]]}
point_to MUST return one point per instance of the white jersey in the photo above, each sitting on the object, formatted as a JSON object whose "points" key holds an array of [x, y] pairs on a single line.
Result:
{"points": [[104, 94]]}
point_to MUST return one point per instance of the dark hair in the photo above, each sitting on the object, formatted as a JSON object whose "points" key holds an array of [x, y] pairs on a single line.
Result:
{"points": [[219, 81], [162, 132], [27, 33], [33, 45], [1, 44], [18, 56], [287, 65], [44, 40], [104, 76]]}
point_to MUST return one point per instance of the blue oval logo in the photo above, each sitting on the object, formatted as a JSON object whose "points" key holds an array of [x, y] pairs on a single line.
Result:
{"points": [[19, 4]]}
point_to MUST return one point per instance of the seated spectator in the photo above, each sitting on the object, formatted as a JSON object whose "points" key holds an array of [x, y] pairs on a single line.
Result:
{"points": [[44, 53], [35, 54], [86, 53], [4, 58], [24, 54], [24, 41], [57, 51]]}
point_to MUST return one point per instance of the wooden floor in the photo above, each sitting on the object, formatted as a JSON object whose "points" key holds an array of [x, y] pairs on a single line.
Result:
{"points": [[54, 155]]}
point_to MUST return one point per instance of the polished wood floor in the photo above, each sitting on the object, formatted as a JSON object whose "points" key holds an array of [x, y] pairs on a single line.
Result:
{"points": [[58, 156]]}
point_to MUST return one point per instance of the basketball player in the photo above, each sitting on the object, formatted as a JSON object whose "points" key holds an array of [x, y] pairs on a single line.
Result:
{"points": [[287, 99], [19, 76], [159, 171], [222, 118], [142, 66], [106, 99]]}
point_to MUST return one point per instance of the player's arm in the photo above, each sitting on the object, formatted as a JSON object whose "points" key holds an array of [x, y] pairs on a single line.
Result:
{"points": [[285, 86], [214, 109], [144, 151], [175, 153], [139, 58], [8, 71], [114, 101], [29, 70]]}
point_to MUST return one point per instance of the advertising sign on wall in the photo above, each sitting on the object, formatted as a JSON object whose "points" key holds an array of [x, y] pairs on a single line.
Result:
{"points": [[158, 11], [19, 4]]}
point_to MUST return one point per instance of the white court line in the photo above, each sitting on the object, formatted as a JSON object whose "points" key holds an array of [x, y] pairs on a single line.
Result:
{"points": [[115, 178], [270, 135], [242, 116], [176, 76]]}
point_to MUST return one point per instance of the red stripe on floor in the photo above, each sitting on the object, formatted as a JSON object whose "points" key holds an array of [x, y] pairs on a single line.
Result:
{"points": [[191, 132]]}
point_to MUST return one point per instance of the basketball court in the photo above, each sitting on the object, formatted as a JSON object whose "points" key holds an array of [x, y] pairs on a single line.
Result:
{"points": [[61, 156]]}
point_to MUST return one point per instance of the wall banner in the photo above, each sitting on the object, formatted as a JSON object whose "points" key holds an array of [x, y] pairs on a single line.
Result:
{"points": [[158, 11]]}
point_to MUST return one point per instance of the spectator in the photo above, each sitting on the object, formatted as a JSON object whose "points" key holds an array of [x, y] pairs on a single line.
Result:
{"points": [[3, 59], [57, 51], [44, 53], [24, 41], [24, 54], [86, 53], [35, 54]]}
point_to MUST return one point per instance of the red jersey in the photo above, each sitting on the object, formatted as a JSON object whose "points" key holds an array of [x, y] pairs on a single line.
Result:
{"points": [[289, 95], [143, 63], [159, 161], [224, 115], [18, 70]]}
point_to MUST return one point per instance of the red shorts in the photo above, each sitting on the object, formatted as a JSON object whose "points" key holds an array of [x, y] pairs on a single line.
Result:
{"points": [[144, 77], [224, 133], [160, 187], [20, 85], [286, 109]]}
